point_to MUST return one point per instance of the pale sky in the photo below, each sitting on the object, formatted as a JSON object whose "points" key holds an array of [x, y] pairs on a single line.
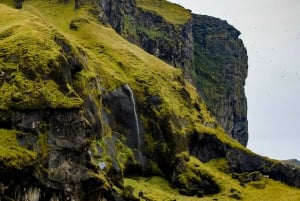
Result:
{"points": [[271, 33]]}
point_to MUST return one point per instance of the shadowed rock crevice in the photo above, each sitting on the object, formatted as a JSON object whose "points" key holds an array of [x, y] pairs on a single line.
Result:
{"points": [[121, 115]]}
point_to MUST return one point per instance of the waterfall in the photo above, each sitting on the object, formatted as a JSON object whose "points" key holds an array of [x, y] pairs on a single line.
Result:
{"points": [[135, 116]]}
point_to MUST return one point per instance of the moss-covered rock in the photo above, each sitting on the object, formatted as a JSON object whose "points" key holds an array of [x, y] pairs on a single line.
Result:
{"points": [[191, 178], [81, 108]]}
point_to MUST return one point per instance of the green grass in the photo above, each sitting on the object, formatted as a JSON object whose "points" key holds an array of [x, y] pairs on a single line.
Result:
{"points": [[172, 13], [29, 57]]}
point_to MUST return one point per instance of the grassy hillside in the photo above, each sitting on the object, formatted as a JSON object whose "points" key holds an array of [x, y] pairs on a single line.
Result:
{"points": [[172, 13], [157, 188], [33, 39]]}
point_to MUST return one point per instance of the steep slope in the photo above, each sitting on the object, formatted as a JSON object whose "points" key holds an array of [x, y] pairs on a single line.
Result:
{"points": [[221, 71], [207, 49], [82, 109], [159, 27]]}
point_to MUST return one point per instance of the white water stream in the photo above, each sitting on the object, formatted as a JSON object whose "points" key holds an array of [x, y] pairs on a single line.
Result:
{"points": [[135, 116]]}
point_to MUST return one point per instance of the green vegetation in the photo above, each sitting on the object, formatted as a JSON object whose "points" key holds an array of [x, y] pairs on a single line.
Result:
{"points": [[34, 65], [152, 33], [109, 61], [172, 13], [110, 151], [129, 28], [191, 175], [157, 188], [29, 58], [11, 153]]}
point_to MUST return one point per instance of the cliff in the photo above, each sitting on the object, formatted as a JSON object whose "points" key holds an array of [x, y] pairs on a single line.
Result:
{"points": [[159, 27], [208, 50], [221, 71], [87, 115]]}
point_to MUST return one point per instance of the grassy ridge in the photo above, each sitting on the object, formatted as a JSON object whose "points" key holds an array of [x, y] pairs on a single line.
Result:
{"points": [[172, 13]]}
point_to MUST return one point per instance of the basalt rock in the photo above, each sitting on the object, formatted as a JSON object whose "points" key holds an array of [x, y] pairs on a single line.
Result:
{"points": [[206, 147], [221, 70]]}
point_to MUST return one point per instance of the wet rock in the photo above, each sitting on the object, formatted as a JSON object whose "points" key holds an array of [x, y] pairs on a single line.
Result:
{"points": [[122, 119]]}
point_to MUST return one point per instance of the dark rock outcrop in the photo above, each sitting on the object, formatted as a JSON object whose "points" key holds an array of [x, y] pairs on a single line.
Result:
{"points": [[206, 147], [241, 161], [221, 70], [64, 170]]}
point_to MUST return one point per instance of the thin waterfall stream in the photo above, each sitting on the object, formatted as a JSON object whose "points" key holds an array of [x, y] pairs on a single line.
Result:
{"points": [[135, 116]]}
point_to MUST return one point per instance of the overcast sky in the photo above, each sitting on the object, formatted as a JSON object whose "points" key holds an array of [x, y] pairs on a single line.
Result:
{"points": [[271, 33]]}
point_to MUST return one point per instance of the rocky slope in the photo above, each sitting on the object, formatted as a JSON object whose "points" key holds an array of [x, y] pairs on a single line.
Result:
{"points": [[82, 111]]}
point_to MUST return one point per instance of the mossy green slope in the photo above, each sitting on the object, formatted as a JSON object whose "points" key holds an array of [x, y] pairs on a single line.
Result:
{"points": [[157, 188], [28, 55], [30, 37], [172, 13]]}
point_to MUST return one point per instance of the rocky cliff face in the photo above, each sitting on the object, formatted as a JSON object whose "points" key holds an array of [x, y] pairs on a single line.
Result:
{"points": [[221, 70], [208, 50], [81, 109], [140, 22]]}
